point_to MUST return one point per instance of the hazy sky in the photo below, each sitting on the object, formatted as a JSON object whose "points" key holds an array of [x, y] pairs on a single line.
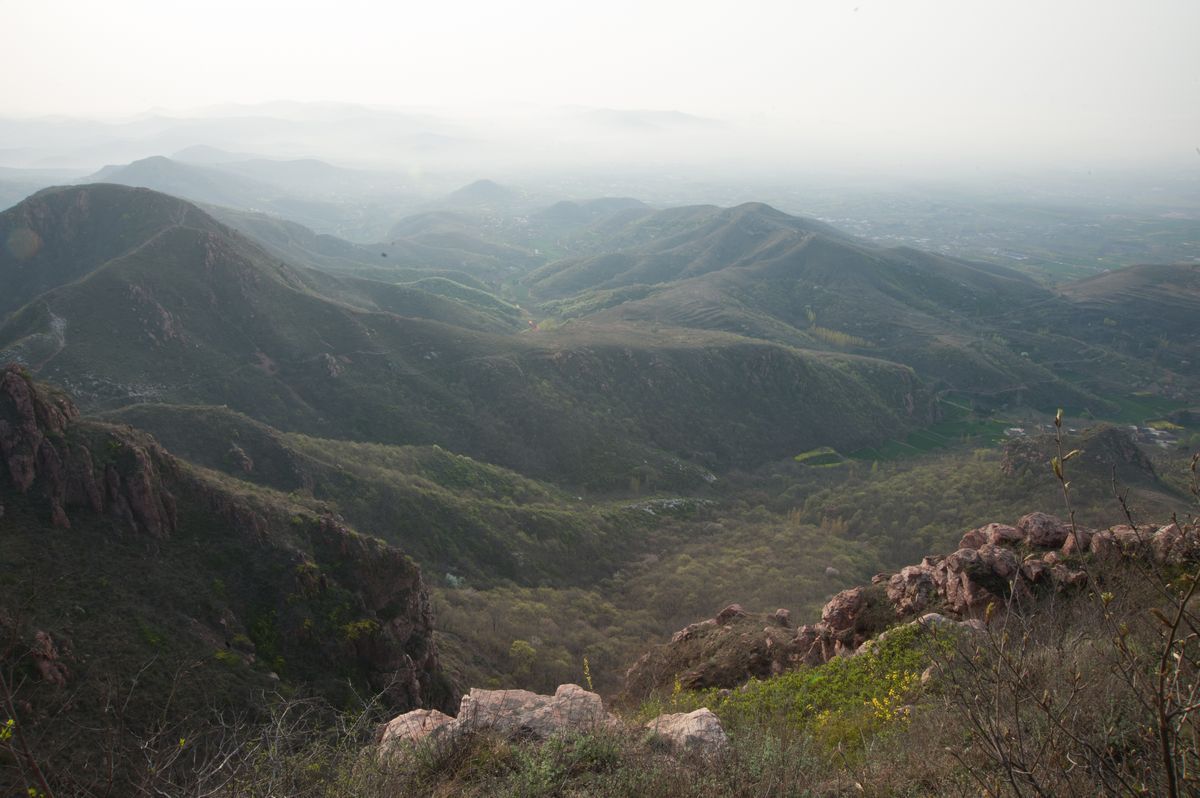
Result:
{"points": [[1099, 77]]}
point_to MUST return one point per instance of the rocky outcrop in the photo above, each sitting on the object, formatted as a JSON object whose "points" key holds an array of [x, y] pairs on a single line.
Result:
{"points": [[293, 563], [995, 534], [1172, 545], [970, 579], [46, 456], [27, 419], [697, 732], [912, 589], [994, 565]]}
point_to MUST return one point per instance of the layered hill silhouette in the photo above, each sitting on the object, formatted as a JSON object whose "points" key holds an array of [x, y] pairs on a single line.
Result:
{"points": [[172, 306], [486, 193], [976, 329], [190, 181], [480, 246], [351, 202]]}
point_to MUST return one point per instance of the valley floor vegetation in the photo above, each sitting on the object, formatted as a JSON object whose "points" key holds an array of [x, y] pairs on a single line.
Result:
{"points": [[1081, 695], [1092, 693]]}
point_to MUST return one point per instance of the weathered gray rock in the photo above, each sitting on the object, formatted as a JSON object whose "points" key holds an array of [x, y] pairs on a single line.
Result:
{"points": [[1002, 561], [1134, 541], [46, 660], [732, 612], [973, 539], [697, 732], [411, 727], [1172, 545], [935, 620], [520, 713], [1064, 577], [1035, 571], [813, 644], [692, 630]]}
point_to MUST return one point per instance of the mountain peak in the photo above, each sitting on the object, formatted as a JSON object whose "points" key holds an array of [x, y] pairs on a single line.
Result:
{"points": [[482, 192], [47, 233]]}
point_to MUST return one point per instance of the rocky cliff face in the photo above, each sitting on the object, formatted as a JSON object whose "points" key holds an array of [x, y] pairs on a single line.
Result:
{"points": [[337, 604], [994, 564], [43, 459]]}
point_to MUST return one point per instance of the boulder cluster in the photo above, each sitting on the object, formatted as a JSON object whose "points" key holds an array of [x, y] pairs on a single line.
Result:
{"points": [[994, 565], [522, 715]]}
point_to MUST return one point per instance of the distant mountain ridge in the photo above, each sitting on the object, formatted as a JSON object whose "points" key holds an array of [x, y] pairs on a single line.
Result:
{"points": [[974, 328], [196, 313], [305, 190]]}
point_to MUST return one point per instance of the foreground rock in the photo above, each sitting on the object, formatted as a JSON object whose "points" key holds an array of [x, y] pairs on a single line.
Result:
{"points": [[411, 727], [994, 565], [1044, 531], [523, 715], [697, 732], [518, 714]]}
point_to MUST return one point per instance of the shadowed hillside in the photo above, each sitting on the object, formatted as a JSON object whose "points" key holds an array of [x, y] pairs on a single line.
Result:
{"points": [[203, 596]]}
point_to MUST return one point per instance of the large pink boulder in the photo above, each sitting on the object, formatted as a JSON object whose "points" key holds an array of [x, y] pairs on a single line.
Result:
{"points": [[1002, 535], [842, 611], [1079, 542], [1172, 545], [912, 590], [1043, 530], [971, 579]]}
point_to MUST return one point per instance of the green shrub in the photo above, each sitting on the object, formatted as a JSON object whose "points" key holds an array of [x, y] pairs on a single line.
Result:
{"points": [[838, 702]]}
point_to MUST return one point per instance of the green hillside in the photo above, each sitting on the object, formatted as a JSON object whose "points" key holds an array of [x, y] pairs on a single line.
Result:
{"points": [[205, 316], [974, 329], [62, 234]]}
